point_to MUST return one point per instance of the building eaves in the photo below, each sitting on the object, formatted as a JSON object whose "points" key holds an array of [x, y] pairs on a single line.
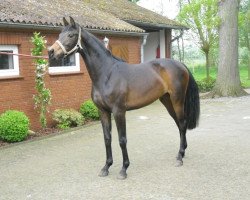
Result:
{"points": [[45, 13]]}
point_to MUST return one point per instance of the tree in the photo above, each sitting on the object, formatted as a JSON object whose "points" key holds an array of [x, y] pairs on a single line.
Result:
{"points": [[201, 17], [228, 79]]}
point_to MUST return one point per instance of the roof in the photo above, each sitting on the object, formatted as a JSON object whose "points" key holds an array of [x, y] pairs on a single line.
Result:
{"points": [[134, 14], [112, 15]]}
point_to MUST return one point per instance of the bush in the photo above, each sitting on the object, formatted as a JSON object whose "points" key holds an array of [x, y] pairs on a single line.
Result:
{"points": [[67, 118], [89, 110], [206, 85], [14, 126]]}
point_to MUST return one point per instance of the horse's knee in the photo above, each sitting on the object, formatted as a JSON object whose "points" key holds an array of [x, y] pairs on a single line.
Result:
{"points": [[123, 142]]}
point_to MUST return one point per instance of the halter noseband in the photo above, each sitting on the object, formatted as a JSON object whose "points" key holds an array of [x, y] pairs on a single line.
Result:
{"points": [[77, 46]]}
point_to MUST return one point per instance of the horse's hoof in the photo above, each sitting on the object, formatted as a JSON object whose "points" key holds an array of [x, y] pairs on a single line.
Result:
{"points": [[122, 175], [179, 163], [103, 173]]}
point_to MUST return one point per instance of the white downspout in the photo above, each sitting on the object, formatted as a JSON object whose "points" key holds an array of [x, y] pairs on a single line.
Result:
{"points": [[162, 44], [143, 43]]}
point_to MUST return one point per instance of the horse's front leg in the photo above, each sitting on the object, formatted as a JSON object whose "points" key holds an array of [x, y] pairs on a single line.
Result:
{"points": [[106, 125], [120, 120]]}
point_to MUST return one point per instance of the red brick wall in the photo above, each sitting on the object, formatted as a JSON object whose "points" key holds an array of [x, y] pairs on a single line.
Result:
{"points": [[68, 90]]}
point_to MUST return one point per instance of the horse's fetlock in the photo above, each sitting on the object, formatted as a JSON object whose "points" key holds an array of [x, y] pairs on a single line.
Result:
{"points": [[126, 164], [109, 162], [182, 152]]}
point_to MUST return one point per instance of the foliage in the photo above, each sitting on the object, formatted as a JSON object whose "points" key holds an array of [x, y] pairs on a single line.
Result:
{"points": [[201, 17], [14, 126], [67, 118], [43, 97], [199, 74], [245, 82], [89, 110], [244, 33], [206, 85]]}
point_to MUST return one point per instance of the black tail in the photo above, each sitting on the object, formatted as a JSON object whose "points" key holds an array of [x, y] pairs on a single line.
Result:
{"points": [[192, 103]]}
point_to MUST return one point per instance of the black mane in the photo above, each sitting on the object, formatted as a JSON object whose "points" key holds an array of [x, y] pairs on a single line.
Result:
{"points": [[101, 45]]}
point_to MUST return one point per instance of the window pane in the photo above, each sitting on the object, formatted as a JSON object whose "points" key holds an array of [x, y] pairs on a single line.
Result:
{"points": [[6, 61], [68, 61]]}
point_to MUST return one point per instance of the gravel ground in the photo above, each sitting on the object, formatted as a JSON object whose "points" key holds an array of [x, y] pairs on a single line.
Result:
{"points": [[66, 166]]}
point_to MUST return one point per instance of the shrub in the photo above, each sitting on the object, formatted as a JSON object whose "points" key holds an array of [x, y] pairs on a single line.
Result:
{"points": [[67, 118], [89, 110], [206, 85], [14, 126]]}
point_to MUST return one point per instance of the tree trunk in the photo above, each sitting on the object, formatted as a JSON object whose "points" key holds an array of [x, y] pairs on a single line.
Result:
{"points": [[207, 65], [228, 78]]}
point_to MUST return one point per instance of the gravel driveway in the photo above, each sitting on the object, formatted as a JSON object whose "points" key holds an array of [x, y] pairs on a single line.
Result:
{"points": [[66, 166]]}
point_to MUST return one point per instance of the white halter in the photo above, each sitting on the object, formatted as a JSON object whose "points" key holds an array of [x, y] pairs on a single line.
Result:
{"points": [[78, 45]]}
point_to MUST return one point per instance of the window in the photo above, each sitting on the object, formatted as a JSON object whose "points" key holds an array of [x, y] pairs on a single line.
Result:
{"points": [[9, 64], [68, 64]]}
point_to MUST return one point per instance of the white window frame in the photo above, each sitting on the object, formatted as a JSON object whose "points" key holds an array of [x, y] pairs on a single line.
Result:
{"points": [[15, 71], [67, 69]]}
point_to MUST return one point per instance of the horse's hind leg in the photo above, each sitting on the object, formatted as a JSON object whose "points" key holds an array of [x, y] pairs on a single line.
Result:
{"points": [[165, 100], [175, 107], [120, 119]]}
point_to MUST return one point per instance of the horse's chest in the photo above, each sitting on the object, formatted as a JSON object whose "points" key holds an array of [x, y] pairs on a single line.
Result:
{"points": [[99, 99]]}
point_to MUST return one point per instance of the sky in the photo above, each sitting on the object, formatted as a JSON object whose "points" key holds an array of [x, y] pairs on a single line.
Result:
{"points": [[168, 8]]}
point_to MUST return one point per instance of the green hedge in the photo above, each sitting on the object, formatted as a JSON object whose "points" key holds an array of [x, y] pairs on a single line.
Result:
{"points": [[14, 126], [206, 85], [89, 110]]}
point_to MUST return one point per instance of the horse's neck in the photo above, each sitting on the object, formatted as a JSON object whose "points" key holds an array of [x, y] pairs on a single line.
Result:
{"points": [[97, 60]]}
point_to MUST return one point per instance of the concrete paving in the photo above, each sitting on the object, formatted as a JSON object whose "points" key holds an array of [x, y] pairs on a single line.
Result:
{"points": [[66, 166]]}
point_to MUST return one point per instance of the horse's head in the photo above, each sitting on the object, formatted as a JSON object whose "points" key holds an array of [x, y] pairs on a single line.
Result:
{"points": [[69, 40]]}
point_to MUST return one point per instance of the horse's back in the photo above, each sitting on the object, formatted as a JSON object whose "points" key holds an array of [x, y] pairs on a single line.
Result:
{"points": [[149, 81], [173, 72]]}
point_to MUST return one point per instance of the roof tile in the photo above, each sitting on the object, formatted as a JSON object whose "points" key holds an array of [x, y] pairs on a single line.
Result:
{"points": [[94, 14]]}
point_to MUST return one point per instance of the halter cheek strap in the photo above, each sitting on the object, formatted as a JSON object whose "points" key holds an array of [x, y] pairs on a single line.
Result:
{"points": [[77, 46]]}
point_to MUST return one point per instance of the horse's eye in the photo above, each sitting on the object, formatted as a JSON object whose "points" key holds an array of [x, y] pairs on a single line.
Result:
{"points": [[70, 35]]}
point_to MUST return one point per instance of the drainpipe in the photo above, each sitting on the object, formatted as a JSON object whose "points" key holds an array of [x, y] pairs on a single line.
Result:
{"points": [[143, 43], [162, 44]]}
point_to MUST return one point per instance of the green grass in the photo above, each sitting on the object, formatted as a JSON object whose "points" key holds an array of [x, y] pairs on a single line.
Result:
{"points": [[199, 73]]}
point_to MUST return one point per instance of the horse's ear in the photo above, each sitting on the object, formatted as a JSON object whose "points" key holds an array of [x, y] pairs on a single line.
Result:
{"points": [[65, 22], [72, 22]]}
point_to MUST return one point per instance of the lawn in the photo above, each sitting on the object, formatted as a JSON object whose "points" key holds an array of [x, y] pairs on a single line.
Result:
{"points": [[200, 73]]}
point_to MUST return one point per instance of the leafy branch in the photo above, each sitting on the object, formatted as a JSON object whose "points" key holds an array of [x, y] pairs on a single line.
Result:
{"points": [[43, 97]]}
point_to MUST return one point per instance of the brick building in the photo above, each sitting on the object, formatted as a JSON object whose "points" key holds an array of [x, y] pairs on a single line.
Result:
{"points": [[126, 25]]}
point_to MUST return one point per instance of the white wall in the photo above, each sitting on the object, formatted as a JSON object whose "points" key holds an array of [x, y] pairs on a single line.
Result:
{"points": [[153, 40]]}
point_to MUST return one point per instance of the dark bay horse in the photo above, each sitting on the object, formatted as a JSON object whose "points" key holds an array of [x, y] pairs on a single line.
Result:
{"points": [[118, 87]]}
